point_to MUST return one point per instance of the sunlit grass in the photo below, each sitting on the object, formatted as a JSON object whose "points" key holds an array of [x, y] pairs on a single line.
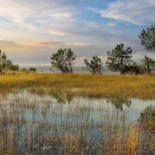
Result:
{"points": [[141, 86]]}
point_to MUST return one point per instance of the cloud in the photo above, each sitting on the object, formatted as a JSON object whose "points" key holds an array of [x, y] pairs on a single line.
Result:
{"points": [[37, 28], [10, 45], [139, 12], [36, 53], [111, 24], [53, 44], [62, 15], [35, 16], [56, 32], [21, 10], [56, 20]]}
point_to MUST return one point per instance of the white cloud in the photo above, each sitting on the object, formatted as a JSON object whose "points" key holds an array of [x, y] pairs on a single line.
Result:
{"points": [[138, 12], [34, 16], [39, 27], [56, 32]]}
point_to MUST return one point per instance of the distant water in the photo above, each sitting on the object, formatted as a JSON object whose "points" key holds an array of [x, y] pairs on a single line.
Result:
{"points": [[76, 69]]}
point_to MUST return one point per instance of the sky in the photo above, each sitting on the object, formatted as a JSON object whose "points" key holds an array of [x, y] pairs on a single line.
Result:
{"points": [[31, 30]]}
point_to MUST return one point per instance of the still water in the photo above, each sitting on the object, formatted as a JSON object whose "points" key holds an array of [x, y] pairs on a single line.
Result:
{"points": [[45, 124]]}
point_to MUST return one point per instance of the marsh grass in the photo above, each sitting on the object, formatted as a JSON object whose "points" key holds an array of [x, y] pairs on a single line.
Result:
{"points": [[31, 123], [139, 86], [46, 117]]}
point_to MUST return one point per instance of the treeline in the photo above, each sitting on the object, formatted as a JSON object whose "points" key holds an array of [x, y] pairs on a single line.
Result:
{"points": [[118, 59]]}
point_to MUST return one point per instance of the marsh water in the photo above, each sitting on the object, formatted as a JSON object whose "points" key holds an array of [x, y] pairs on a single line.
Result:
{"points": [[47, 124]]}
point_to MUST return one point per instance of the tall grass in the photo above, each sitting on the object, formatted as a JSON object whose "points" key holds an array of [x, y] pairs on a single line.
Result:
{"points": [[141, 86]]}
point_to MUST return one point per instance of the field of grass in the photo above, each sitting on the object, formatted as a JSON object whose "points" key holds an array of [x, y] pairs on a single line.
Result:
{"points": [[138, 86]]}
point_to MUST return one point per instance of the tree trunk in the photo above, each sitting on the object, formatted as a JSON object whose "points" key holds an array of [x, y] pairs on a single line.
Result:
{"points": [[147, 65], [148, 68]]}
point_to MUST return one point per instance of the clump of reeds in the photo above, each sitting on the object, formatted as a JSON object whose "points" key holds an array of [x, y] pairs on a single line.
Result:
{"points": [[72, 144], [133, 140]]}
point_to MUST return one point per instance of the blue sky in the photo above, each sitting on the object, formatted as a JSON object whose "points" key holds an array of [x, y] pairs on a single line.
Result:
{"points": [[31, 30]]}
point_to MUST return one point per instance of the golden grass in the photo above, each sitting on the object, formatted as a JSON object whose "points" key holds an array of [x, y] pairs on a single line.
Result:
{"points": [[133, 140], [139, 86]]}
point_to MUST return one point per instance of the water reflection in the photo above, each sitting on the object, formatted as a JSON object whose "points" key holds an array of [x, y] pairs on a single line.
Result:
{"points": [[119, 102], [35, 122]]}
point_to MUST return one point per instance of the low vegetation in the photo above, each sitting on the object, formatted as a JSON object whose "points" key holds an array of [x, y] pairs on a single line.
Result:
{"points": [[140, 86]]}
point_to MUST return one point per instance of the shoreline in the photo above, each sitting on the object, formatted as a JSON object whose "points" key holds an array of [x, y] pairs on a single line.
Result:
{"points": [[104, 85]]}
